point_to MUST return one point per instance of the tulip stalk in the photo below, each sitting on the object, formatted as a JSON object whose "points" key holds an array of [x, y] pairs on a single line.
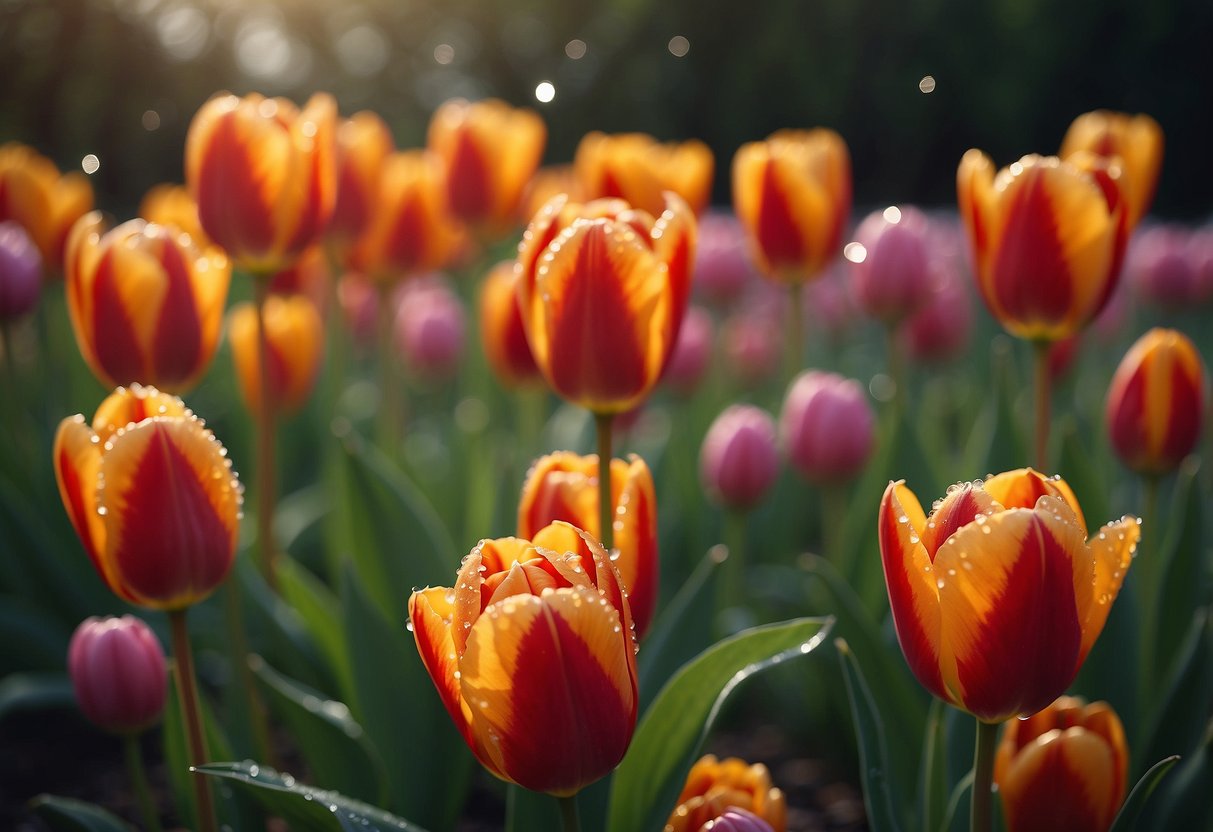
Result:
{"points": [[1043, 404], [389, 394], [603, 422], [187, 690], [570, 821], [265, 440], [138, 775], [982, 807], [732, 578], [794, 353]]}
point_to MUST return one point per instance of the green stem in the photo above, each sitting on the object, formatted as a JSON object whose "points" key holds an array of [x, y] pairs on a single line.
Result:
{"points": [[389, 390], [833, 513], [732, 576], [187, 690], [794, 351], [981, 816], [896, 369], [1151, 567], [606, 510], [239, 655], [569, 819], [265, 440], [143, 794], [1043, 405], [532, 412]]}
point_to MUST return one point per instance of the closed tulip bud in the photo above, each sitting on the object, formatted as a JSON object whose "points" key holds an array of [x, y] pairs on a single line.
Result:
{"points": [[998, 595], [1135, 142], [501, 331], [430, 329], [722, 265], [564, 487], [364, 143], [752, 345], [1047, 238], [20, 272], [638, 169], [1162, 267], [35, 196], [827, 427], [550, 182], [152, 496], [892, 278], [1156, 402], [295, 342], [792, 193], [602, 290], [715, 788], [118, 673], [490, 151], [145, 303], [1064, 769], [737, 820], [942, 327], [739, 462], [172, 206], [692, 353], [533, 654], [263, 174]]}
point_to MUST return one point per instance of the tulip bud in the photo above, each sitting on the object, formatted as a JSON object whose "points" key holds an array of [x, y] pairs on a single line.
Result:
{"points": [[364, 143], [692, 352], [34, 195], [1134, 141], [715, 788], [118, 673], [1156, 402], [827, 426], [892, 276], [941, 328], [501, 331], [1163, 270], [737, 820], [172, 205], [638, 169], [722, 266], [430, 329], [295, 341], [738, 462], [20, 272]]}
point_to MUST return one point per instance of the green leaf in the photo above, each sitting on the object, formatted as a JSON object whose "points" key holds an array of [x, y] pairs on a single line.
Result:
{"points": [[1126, 819], [873, 750], [1082, 474], [25, 692], [997, 443], [304, 807], [285, 637], [933, 800], [1184, 802], [673, 730], [1182, 554], [1185, 697], [63, 814], [332, 744], [526, 810], [954, 818], [318, 608]]}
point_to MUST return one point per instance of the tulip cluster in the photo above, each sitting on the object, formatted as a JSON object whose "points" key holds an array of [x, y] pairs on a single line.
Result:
{"points": [[46, 204]]}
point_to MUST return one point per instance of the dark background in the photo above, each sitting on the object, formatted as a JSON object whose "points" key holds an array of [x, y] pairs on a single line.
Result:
{"points": [[80, 76]]}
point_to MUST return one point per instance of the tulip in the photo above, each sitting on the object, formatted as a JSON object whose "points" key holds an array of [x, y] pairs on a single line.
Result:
{"points": [[892, 278], [501, 331], [549, 182], [792, 193], [564, 487], [145, 302], [1135, 142], [34, 195], [736, 820], [20, 273], [738, 462], [722, 266], [490, 151], [118, 673], [152, 497], [364, 143], [172, 205], [429, 329], [718, 787], [998, 595], [638, 169], [311, 275], [942, 327], [533, 654], [827, 427], [692, 353], [295, 340], [1165, 272], [1156, 402], [263, 175]]}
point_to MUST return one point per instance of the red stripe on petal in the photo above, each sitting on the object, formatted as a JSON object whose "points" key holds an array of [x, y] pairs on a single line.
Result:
{"points": [[470, 185], [115, 343], [177, 345], [1031, 276], [1183, 412], [776, 230]]}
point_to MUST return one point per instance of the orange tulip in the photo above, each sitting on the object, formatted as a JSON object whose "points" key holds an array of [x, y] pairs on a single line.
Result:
{"points": [[602, 290], [501, 330], [152, 496], [263, 175], [1136, 141], [1064, 769], [638, 169], [1156, 402], [714, 786], [364, 143], [172, 205], [564, 486], [533, 654], [45, 204], [295, 341], [410, 231], [549, 182], [490, 150], [997, 595], [792, 193], [145, 302], [1047, 237]]}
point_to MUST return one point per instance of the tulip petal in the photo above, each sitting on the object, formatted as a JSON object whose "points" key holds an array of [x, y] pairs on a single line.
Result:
{"points": [[431, 613], [1062, 782], [552, 667], [131, 405], [958, 508], [1022, 488], [1112, 549], [77, 466]]}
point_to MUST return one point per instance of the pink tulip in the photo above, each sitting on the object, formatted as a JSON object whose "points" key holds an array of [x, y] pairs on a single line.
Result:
{"points": [[738, 462], [20, 271], [118, 673], [891, 266], [827, 426], [430, 328]]}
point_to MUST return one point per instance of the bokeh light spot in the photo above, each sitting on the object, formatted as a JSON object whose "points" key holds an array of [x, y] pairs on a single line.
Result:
{"points": [[927, 84], [679, 46], [545, 92], [150, 120], [444, 53], [90, 164], [855, 252]]}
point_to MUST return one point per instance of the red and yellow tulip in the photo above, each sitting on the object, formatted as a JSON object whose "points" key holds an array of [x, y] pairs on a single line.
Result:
{"points": [[998, 595], [295, 345], [490, 151], [501, 330], [45, 203], [1048, 237], [564, 486], [1064, 769], [1156, 402], [1135, 141], [549, 182], [172, 205], [533, 654], [152, 496], [792, 193], [602, 290], [364, 143], [145, 302], [714, 786], [263, 174], [639, 169]]}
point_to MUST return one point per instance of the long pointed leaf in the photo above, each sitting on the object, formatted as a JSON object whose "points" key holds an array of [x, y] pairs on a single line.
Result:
{"points": [[1126, 819], [64, 814], [873, 749]]}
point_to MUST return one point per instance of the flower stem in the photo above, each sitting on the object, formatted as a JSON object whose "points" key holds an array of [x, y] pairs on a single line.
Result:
{"points": [[569, 819], [239, 653], [896, 370], [1151, 567], [794, 351], [1043, 405], [732, 577], [606, 513], [187, 690], [265, 440], [981, 816], [143, 794], [389, 392]]}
